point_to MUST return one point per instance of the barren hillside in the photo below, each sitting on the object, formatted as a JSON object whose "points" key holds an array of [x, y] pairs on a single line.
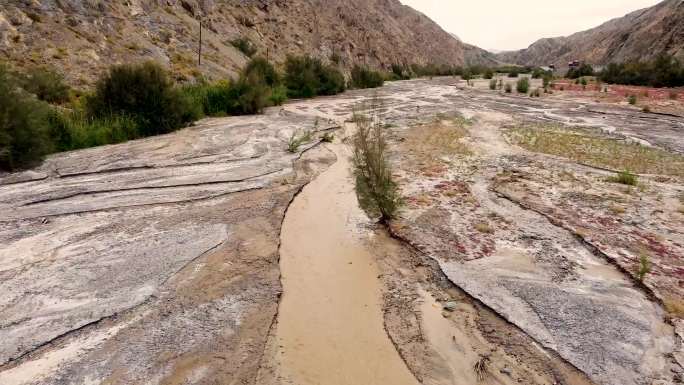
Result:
{"points": [[642, 34], [82, 37]]}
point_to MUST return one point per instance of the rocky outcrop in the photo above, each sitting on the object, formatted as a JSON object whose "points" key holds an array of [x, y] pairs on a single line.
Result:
{"points": [[81, 37], [640, 35]]}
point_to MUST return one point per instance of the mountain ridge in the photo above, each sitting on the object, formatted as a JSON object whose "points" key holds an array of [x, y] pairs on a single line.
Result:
{"points": [[81, 38], [640, 35]]}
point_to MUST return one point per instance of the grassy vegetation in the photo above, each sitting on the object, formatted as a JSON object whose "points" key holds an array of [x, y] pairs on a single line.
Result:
{"points": [[644, 267], [377, 192], [362, 77], [297, 139], [632, 99], [596, 150], [624, 177], [484, 228]]}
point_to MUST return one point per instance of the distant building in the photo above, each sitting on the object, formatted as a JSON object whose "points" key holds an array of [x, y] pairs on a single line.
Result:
{"points": [[574, 64]]}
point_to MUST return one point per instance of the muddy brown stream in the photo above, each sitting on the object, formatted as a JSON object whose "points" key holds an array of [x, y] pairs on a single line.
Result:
{"points": [[330, 324]]}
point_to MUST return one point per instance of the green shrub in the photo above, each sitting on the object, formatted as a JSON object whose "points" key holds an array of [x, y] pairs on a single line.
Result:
{"points": [[632, 99], [578, 72], [263, 68], [523, 85], [253, 94], [401, 72], [538, 73], [245, 46], [467, 76], [583, 81], [328, 137], [143, 92], [664, 71], [488, 74], [47, 85], [278, 95], [306, 77], [331, 81], [24, 139], [362, 77], [625, 177], [513, 74], [492, 84], [509, 88], [377, 192]]}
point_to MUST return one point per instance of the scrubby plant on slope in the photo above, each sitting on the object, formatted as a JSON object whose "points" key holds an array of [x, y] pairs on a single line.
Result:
{"points": [[306, 77], [24, 137], [145, 93]]}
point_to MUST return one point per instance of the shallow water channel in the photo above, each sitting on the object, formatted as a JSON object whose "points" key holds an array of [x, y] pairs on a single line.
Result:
{"points": [[330, 324]]}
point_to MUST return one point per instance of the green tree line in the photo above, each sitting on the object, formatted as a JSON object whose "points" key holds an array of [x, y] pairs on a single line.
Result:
{"points": [[40, 114]]}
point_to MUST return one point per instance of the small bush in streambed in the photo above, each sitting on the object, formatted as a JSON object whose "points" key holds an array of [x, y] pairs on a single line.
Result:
{"points": [[625, 177], [509, 88], [377, 192], [492, 84], [523, 85], [328, 137], [644, 267], [632, 99], [297, 139]]}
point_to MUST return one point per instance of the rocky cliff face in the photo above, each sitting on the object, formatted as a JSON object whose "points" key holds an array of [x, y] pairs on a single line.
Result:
{"points": [[82, 37], [640, 35]]}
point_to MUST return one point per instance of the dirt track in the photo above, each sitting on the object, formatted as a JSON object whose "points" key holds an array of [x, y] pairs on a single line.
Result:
{"points": [[156, 261]]}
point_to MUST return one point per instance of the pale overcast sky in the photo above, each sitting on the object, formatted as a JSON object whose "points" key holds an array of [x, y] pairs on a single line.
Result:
{"points": [[515, 24]]}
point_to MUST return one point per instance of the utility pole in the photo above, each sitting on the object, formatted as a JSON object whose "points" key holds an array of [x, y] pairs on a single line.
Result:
{"points": [[199, 52]]}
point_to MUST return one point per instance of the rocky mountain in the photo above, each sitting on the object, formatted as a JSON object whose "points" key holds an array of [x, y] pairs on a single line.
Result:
{"points": [[82, 37], [640, 35]]}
